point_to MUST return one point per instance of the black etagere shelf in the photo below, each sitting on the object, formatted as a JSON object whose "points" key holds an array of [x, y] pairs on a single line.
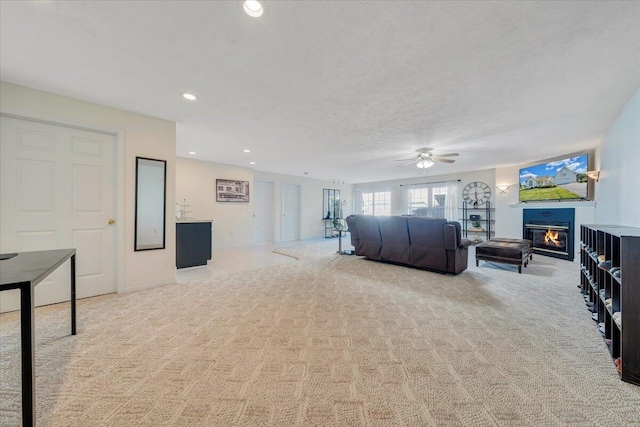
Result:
{"points": [[612, 297], [485, 220], [331, 209]]}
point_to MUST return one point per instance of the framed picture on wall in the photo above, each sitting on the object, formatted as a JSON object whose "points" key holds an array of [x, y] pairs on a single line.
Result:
{"points": [[230, 190]]}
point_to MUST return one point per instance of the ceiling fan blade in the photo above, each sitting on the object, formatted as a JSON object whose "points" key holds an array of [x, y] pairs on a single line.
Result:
{"points": [[448, 155], [440, 159], [413, 161], [406, 160]]}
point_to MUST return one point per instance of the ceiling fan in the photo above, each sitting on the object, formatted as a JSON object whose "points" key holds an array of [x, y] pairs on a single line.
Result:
{"points": [[426, 158]]}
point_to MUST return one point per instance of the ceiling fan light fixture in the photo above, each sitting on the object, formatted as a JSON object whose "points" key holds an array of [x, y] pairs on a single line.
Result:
{"points": [[253, 8], [424, 163]]}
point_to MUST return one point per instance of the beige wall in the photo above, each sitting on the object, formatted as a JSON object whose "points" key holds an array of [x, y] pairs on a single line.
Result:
{"points": [[311, 223], [233, 222], [142, 136], [196, 183]]}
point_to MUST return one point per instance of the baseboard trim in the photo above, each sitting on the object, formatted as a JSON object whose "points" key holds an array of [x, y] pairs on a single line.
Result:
{"points": [[148, 286]]}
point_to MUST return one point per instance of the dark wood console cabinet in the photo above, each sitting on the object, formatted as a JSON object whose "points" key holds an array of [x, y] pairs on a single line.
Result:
{"points": [[193, 243]]}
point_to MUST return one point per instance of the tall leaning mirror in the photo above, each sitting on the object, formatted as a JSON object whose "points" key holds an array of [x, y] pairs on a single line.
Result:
{"points": [[151, 194]]}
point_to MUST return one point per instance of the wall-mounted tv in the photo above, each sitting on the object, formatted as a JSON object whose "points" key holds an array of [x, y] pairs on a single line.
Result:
{"points": [[564, 179]]}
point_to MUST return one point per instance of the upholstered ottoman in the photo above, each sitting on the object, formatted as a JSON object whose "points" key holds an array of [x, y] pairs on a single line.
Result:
{"points": [[505, 251], [510, 240]]}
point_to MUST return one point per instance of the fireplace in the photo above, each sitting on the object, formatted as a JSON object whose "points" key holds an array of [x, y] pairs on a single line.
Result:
{"points": [[550, 230]]}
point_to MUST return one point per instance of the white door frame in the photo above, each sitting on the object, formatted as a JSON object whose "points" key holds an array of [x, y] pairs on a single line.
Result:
{"points": [[299, 231], [272, 213], [118, 173]]}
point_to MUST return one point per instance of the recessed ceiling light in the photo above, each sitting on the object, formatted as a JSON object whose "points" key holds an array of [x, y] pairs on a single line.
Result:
{"points": [[189, 97], [253, 8], [246, 150], [192, 152], [252, 163]]}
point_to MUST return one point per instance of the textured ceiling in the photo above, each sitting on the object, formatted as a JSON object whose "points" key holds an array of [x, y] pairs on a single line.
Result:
{"points": [[341, 89]]}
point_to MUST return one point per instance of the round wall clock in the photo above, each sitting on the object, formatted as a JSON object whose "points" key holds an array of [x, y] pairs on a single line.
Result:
{"points": [[476, 193]]}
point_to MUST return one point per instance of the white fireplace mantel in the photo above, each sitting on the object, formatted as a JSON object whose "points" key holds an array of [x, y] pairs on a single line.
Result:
{"points": [[554, 205]]}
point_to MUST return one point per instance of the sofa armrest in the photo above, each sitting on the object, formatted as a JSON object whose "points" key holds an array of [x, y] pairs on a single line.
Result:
{"points": [[465, 243], [450, 238]]}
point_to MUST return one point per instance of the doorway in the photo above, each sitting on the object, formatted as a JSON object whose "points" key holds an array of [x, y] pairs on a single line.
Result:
{"points": [[263, 218], [290, 212], [58, 191]]}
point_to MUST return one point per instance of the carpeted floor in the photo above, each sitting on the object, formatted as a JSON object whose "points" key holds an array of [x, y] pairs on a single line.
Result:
{"points": [[327, 340]]}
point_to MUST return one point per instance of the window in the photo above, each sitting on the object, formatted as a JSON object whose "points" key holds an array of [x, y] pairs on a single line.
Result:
{"points": [[427, 201], [376, 203]]}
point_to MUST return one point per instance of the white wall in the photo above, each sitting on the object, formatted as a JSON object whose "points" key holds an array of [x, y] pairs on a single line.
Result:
{"points": [[143, 136], [233, 222], [618, 159], [615, 195], [508, 220]]}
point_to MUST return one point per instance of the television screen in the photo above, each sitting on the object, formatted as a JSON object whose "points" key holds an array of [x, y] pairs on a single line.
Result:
{"points": [[558, 180]]}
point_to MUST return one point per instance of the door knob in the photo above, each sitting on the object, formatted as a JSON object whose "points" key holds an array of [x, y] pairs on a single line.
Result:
{"points": [[111, 221]]}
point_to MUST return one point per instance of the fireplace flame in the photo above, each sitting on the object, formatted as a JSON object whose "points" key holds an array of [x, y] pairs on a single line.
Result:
{"points": [[552, 238]]}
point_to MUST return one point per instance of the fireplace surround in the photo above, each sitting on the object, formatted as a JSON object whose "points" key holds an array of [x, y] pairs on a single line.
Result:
{"points": [[551, 231]]}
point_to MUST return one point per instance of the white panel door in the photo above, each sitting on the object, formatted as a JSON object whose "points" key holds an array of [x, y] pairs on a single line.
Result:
{"points": [[263, 212], [290, 212], [57, 190]]}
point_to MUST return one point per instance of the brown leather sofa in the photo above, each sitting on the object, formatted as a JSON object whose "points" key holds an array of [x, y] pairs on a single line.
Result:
{"points": [[429, 243]]}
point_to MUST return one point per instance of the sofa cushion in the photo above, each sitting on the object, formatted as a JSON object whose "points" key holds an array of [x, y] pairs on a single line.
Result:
{"points": [[503, 250], [396, 246], [369, 240], [427, 242]]}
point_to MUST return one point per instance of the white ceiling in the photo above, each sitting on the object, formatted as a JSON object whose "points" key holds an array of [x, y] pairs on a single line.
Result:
{"points": [[341, 89]]}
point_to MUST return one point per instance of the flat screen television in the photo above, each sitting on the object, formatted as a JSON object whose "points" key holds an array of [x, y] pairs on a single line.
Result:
{"points": [[564, 179]]}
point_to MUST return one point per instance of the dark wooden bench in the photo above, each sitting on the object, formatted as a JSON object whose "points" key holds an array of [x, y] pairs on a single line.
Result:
{"points": [[506, 251]]}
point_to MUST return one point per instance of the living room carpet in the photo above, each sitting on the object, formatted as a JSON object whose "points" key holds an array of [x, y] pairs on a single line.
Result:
{"points": [[328, 340]]}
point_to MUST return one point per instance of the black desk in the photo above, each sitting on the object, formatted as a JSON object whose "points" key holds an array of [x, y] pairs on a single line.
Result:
{"points": [[24, 272]]}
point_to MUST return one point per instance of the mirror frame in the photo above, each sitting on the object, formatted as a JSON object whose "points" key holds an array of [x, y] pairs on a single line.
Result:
{"points": [[164, 205]]}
